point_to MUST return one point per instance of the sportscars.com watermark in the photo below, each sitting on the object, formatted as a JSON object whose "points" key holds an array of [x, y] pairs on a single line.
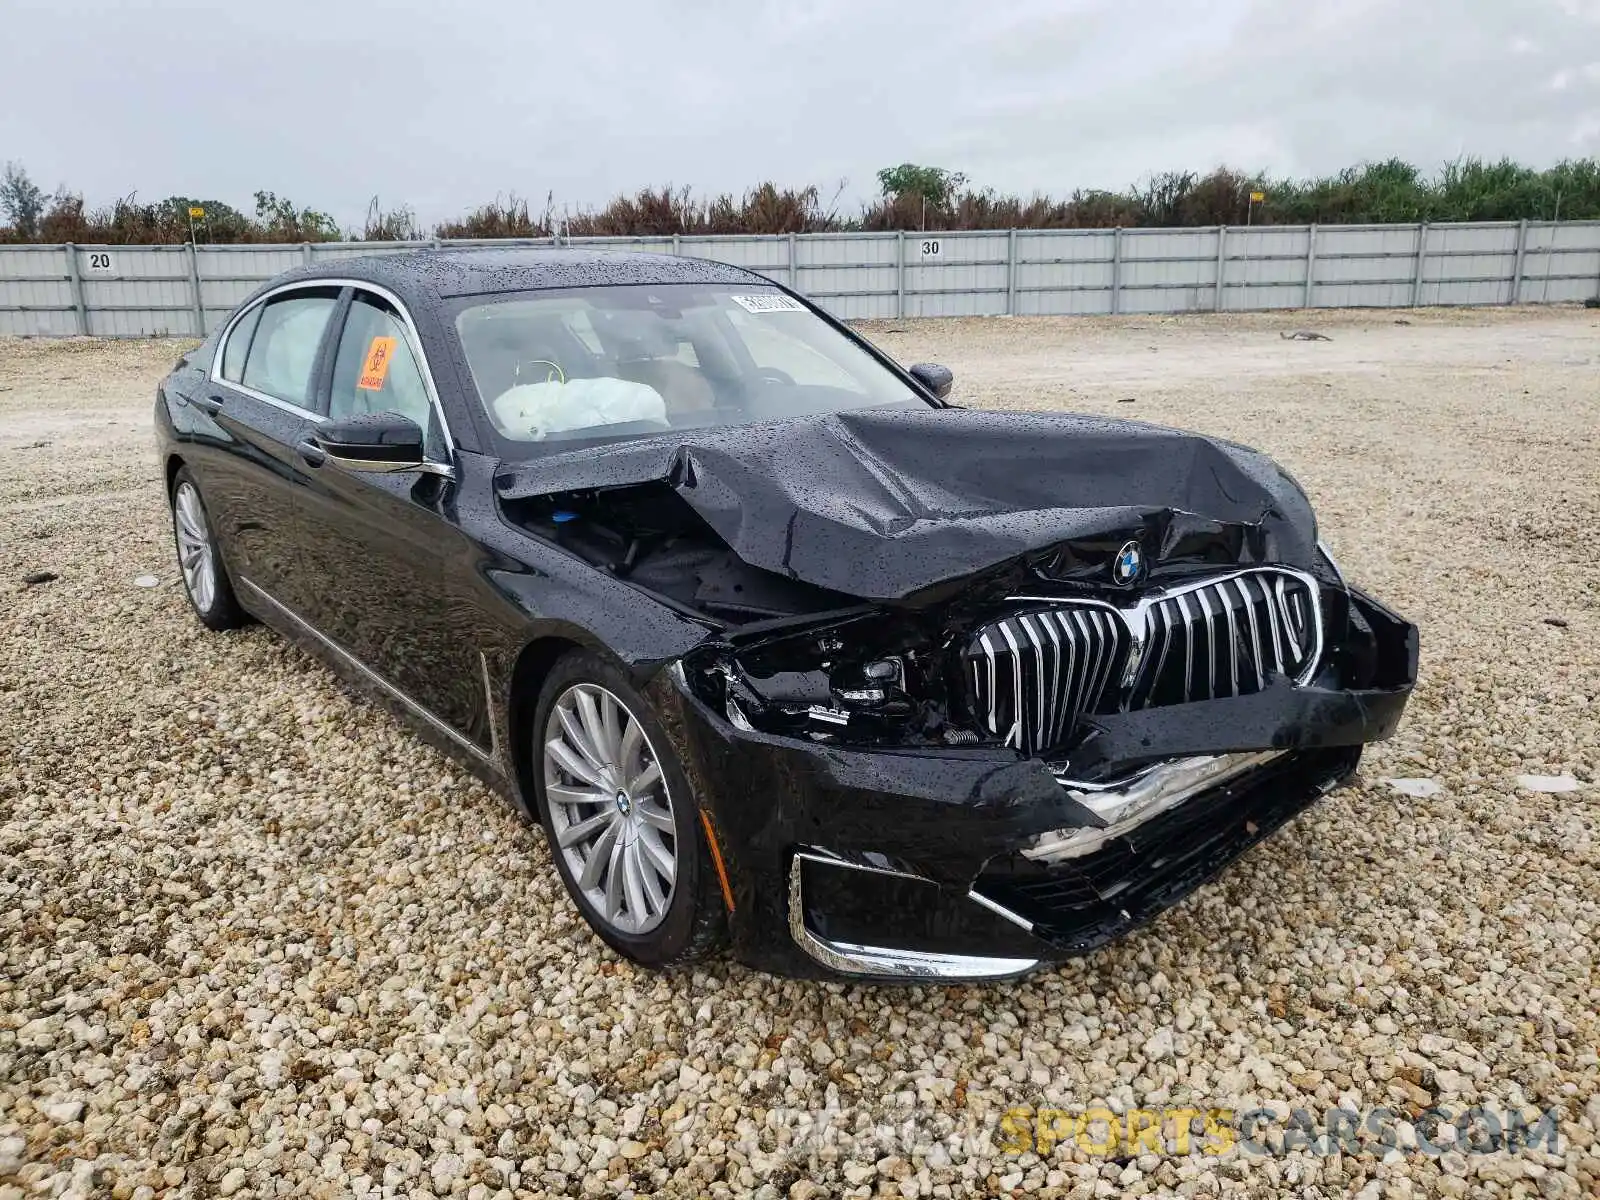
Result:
{"points": [[1101, 1133], [1095, 1131]]}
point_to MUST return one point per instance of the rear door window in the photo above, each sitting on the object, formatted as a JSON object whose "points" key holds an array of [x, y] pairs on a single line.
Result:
{"points": [[283, 352], [239, 345]]}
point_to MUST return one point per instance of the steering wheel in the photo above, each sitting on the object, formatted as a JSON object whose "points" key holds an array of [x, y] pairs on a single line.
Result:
{"points": [[552, 372], [773, 375]]}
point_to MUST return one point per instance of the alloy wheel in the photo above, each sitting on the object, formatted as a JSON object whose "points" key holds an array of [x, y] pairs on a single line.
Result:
{"points": [[195, 553], [610, 808]]}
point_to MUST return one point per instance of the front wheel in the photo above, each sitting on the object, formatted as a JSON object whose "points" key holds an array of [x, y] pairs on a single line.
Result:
{"points": [[623, 825], [205, 580]]}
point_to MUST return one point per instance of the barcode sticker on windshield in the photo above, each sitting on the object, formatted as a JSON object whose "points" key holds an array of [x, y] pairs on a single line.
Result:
{"points": [[776, 302]]}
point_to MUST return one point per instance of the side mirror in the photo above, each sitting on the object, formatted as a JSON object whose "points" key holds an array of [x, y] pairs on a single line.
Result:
{"points": [[383, 441], [935, 378]]}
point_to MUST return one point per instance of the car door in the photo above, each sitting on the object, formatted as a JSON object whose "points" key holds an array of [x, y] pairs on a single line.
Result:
{"points": [[379, 540], [259, 396]]}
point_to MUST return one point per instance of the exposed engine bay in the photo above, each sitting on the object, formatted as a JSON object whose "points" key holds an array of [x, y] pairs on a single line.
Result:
{"points": [[1015, 655]]}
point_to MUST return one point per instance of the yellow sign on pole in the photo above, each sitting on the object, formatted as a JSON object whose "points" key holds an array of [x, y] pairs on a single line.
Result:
{"points": [[1257, 197], [196, 212]]}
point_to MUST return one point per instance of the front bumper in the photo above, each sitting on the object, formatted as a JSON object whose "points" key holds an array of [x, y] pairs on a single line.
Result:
{"points": [[926, 864]]}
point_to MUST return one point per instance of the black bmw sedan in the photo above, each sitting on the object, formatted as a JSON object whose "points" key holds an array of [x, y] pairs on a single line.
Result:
{"points": [[783, 649]]}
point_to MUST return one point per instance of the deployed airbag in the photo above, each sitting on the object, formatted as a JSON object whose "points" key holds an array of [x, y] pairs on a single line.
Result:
{"points": [[533, 411]]}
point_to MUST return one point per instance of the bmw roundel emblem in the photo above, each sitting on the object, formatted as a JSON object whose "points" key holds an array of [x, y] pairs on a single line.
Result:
{"points": [[1128, 565]]}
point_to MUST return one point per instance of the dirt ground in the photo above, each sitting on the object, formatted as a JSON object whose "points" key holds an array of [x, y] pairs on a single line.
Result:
{"points": [[255, 939]]}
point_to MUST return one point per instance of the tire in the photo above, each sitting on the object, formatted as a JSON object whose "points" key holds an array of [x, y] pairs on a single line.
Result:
{"points": [[612, 862], [200, 565]]}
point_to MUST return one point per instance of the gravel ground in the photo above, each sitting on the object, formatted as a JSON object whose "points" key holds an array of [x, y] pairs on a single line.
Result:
{"points": [[257, 940]]}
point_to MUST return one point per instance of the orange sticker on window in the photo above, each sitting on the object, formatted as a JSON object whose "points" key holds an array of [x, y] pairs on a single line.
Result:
{"points": [[376, 369]]}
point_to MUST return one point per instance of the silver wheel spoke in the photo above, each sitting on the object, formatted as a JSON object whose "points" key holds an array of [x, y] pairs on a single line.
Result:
{"points": [[628, 746], [571, 795], [613, 881], [650, 881], [579, 739], [572, 762], [656, 817], [583, 830], [599, 856], [658, 855], [633, 883], [594, 728], [645, 780], [611, 720]]}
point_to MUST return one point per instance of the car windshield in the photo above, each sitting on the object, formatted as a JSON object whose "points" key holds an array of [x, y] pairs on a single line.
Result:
{"points": [[602, 363]]}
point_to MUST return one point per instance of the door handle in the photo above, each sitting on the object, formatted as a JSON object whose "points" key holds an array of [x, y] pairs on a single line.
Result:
{"points": [[314, 454], [210, 404]]}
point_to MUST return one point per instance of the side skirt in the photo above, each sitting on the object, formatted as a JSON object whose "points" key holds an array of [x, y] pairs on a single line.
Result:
{"points": [[487, 765]]}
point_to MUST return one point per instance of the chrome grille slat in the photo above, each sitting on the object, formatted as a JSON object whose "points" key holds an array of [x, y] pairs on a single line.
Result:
{"points": [[1041, 711], [1036, 671], [1255, 631], [1053, 725], [1074, 657], [1111, 630], [1188, 648], [1272, 626], [1233, 648], [1014, 736], [1159, 611]]}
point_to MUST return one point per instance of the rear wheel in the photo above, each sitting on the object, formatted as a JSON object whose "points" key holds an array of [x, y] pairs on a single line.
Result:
{"points": [[205, 580], [624, 828]]}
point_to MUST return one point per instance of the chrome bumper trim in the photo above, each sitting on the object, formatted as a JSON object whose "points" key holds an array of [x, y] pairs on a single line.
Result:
{"points": [[1127, 804], [849, 958]]}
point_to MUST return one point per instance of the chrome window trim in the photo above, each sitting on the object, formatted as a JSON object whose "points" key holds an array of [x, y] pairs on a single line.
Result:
{"points": [[431, 718], [413, 341], [849, 958]]}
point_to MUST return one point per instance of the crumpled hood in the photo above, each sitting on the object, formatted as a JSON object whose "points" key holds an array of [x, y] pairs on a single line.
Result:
{"points": [[881, 503]]}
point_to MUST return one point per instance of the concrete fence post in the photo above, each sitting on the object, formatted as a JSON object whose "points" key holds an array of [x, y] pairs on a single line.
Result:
{"points": [[75, 283], [677, 244], [794, 262], [900, 274], [1222, 266], [1311, 265], [1116, 271], [305, 253], [1516, 272], [1422, 264], [1011, 273], [194, 284]]}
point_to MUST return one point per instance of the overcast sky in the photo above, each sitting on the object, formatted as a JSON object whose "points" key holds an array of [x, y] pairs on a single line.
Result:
{"points": [[442, 104]]}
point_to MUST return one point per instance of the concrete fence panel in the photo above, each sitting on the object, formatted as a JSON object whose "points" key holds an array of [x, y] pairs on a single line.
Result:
{"points": [[142, 291]]}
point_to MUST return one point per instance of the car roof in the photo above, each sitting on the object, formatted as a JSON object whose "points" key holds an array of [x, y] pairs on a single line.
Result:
{"points": [[424, 277]]}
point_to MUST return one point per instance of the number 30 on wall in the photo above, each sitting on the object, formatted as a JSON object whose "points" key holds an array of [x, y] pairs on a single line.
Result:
{"points": [[931, 248]]}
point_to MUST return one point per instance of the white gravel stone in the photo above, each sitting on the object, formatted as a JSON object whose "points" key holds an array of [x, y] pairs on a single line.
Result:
{"points": [[1548, 783], [1421, 788], [258, 931]]}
